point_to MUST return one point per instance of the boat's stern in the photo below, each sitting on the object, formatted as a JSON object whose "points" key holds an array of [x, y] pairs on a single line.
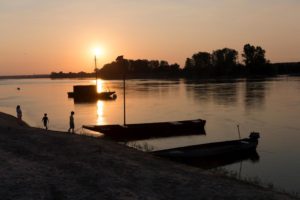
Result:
{"points": [[254, 136]]}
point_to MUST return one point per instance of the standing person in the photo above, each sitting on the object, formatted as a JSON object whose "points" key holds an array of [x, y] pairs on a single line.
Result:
{"points": [[72, 124], [19, 114], [45, 121]]}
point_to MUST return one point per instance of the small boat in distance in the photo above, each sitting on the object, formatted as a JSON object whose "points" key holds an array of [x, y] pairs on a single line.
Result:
{"points": [[209, 150], [150, 130], [88, 93]]}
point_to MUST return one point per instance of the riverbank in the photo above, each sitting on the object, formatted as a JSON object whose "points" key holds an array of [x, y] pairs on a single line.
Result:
{"points": [[39, 164]]}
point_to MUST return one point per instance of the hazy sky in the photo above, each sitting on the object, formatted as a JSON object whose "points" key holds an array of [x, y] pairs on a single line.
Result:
{"points": [[41, 36]]}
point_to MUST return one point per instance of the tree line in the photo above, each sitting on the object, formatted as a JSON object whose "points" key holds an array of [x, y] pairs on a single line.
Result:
{"points": [[224, 62], [219, 63], [139, 68]]}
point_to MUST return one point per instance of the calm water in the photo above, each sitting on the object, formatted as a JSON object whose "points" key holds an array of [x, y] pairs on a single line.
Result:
{"points": [[269, 106]]}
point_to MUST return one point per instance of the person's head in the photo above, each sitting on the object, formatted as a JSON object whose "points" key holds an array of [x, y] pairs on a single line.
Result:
{"points": [[45, 114], [18, 106], [72, 113]]}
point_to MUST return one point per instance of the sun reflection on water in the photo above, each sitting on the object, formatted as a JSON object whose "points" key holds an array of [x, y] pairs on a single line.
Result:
{"points": [[100, 117], [99, 85]]}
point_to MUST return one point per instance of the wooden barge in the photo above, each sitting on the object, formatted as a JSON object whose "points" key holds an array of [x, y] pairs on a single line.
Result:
{"points": [[210, 150], [150, 130], [88, 93]]}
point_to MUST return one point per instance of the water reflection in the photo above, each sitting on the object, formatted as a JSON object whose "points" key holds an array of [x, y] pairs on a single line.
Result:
{"points": [[100, 117], [255, 92], [228, 93], [225, 93], [220, 93], [199, 92], [99, 85], [145, 88], [214, 162]]}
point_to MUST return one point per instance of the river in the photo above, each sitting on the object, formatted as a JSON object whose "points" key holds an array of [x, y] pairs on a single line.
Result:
{"points": [[269, 106]]}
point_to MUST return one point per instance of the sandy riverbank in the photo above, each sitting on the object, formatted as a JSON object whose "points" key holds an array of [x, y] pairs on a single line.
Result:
{"points": [[39, 164]]}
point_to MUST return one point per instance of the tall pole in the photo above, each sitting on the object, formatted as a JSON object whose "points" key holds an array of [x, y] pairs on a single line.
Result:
{"points": [[124, 88], [238, 127], [96, 71]]}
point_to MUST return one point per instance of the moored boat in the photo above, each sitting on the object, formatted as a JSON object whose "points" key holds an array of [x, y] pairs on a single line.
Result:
{"points": [[212, 149], [88, 93], [150, 130]]}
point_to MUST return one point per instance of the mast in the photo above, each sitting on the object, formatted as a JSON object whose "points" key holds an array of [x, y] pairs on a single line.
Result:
{"points": [[126, 67], [238, 127], [96, 71], [124, 99]]}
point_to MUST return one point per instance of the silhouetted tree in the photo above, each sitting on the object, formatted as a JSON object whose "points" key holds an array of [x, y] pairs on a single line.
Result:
{"points": [[71, 75], [200, 64], [163, 66], [189, 65], [138, 68], [119, 66], [154, 65], [203, 62], [225, 61], [254, 58], [174, 68]]}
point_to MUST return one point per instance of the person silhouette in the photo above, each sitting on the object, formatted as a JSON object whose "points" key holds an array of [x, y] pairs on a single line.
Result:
{"points": [[72, 124], [45, 120], [19, 114]]}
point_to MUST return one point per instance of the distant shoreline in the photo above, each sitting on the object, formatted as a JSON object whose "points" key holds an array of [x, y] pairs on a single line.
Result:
{"points": [[291, 68], [25, 76], [143, 76]]}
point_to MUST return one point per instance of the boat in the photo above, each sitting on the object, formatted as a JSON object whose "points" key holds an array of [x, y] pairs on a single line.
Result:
{"points": [[149, 130], [210, 150], [88, 93], [107, 95]]}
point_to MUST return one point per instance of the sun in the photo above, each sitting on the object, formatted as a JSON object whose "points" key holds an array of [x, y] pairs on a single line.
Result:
{"points": [[98, 51]]}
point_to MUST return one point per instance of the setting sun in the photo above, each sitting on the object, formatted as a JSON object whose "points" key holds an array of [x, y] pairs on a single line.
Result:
{"points": [[98, 51]]}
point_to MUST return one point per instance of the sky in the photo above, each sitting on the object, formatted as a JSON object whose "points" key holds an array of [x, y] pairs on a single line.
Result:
{"points": [[42, 36]]}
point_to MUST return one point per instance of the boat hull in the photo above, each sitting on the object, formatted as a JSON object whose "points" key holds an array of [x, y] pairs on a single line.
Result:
{"points": [[88, 93], [210, 150], [150, 130]]}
